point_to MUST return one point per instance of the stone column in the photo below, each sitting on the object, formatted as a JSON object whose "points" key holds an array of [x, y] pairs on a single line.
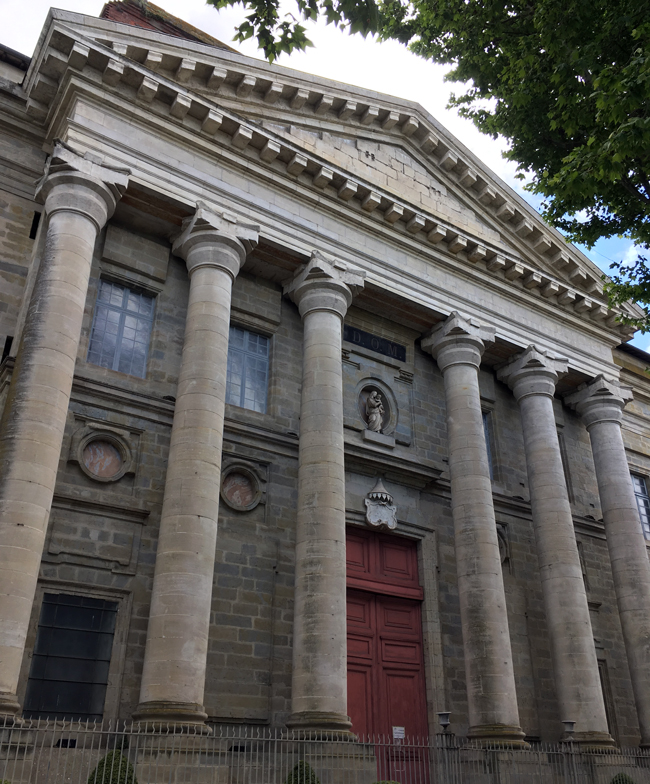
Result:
{"points": [[600, 404], [323, 291], [214, 246], [457, 345], [532, 376], [79, 196]]}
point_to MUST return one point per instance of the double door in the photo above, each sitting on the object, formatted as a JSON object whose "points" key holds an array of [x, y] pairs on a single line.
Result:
{"points": [[386, 687]]}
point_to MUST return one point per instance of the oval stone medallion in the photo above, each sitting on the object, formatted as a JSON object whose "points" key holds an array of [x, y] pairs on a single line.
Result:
{"points": [[238, 490], [102, 459]]}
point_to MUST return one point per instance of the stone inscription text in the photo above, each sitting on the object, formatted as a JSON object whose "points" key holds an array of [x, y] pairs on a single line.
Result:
{"points": [[374, 343]]}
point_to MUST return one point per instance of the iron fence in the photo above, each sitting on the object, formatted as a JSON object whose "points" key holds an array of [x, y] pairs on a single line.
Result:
{"points": [[61, 752]]}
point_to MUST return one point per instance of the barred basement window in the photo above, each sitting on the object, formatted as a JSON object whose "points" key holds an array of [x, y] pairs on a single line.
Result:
{"points": [[121, 329], [248, 369], [69, 671], [643, 502]]}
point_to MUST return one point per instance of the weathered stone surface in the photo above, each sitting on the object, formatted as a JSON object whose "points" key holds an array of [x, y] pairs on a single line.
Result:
{"points": [[214, 246], [371, 180], [79, 196], [323, 291], [532, 376], [457, 346]]}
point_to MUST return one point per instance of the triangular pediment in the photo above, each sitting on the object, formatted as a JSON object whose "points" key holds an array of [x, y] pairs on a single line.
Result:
{"points": [[282, 97], [377, 153], [393, 167]]}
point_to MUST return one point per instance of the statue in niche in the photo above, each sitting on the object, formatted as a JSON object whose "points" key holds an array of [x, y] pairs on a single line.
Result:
{"points": [[375, 412]]}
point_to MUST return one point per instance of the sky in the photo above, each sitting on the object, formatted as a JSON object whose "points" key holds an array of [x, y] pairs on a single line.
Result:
{"points": [[387, 67]]}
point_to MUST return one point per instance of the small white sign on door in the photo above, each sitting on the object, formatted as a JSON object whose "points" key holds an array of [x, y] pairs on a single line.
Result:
{"points": [[398, 733]]}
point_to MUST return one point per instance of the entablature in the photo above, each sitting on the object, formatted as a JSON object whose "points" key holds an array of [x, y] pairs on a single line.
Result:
{"points": [[265, 92], [70, 62]]}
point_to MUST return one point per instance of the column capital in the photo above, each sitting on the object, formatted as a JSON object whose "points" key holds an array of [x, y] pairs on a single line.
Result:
{"points": [[533, 372], [458, 341], [600, 400], [324, 284], [81, 184], [215, 238]]}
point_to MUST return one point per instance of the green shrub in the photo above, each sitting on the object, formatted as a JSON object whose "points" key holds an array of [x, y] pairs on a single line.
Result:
{"points": [[114, 768], [386, 782], [302, 774], [622, 778]]}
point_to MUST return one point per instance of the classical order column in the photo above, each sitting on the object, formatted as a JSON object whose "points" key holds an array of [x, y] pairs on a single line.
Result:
{"points": [[214, 246], [323, 291], [79, 196], [600, 404], [532, 376], [457, 345]]}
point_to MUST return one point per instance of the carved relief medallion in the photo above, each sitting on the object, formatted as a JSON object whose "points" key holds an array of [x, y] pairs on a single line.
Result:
{"points": [[102, 459], [240, 489], [103, 453]]}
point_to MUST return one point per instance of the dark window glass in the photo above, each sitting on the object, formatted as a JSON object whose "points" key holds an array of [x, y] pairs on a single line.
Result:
{"points": [[121, 329], [488, 442], [564, 456], [248, 369], [643, 502], [33, 231], [69, 671]]}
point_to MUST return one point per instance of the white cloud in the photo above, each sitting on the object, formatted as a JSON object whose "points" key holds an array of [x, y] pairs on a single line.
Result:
{"points": [[630, 255]]}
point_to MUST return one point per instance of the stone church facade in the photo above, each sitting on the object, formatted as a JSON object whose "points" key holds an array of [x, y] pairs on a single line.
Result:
{"points": [[308, 419]]}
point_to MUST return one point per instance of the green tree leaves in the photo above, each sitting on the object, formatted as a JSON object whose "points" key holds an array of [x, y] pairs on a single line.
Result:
{"points": [[566, 82]]}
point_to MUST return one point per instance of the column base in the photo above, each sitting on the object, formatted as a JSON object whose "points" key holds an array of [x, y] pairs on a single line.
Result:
{"points": [[498, 735], [166, 716], [10, 709], [591, 741], [312, 723]]}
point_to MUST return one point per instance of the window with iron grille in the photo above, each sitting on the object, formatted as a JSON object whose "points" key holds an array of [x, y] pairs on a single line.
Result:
{"points": [[643, 502], [248, 369], [69, 671], [121, 329]]}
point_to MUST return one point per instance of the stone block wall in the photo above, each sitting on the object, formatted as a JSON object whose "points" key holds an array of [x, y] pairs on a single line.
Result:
{"points": [[16, 219], [103, 536]]}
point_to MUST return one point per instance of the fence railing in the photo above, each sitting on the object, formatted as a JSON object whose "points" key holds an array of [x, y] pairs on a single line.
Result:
{"points": [[59, 752]]}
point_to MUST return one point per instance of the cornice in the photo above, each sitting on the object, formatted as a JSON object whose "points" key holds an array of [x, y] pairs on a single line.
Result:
{"points": [[74, 501], [293, 234], [66, 51], [238, 79]]}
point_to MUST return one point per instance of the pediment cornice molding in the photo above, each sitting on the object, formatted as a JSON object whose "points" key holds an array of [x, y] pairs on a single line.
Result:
{"points": [[169, 87]]}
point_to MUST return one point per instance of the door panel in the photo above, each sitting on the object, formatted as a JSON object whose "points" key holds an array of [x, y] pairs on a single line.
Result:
{"points": [[359, 611], [405, 652], [360, 647], [360, 698], [405, 701], [400, 618], [386, 686], [397, 562], [382, 563]]}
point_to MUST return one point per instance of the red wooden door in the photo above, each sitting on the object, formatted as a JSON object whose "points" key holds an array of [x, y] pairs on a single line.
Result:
{"points": [[386, 686]]}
